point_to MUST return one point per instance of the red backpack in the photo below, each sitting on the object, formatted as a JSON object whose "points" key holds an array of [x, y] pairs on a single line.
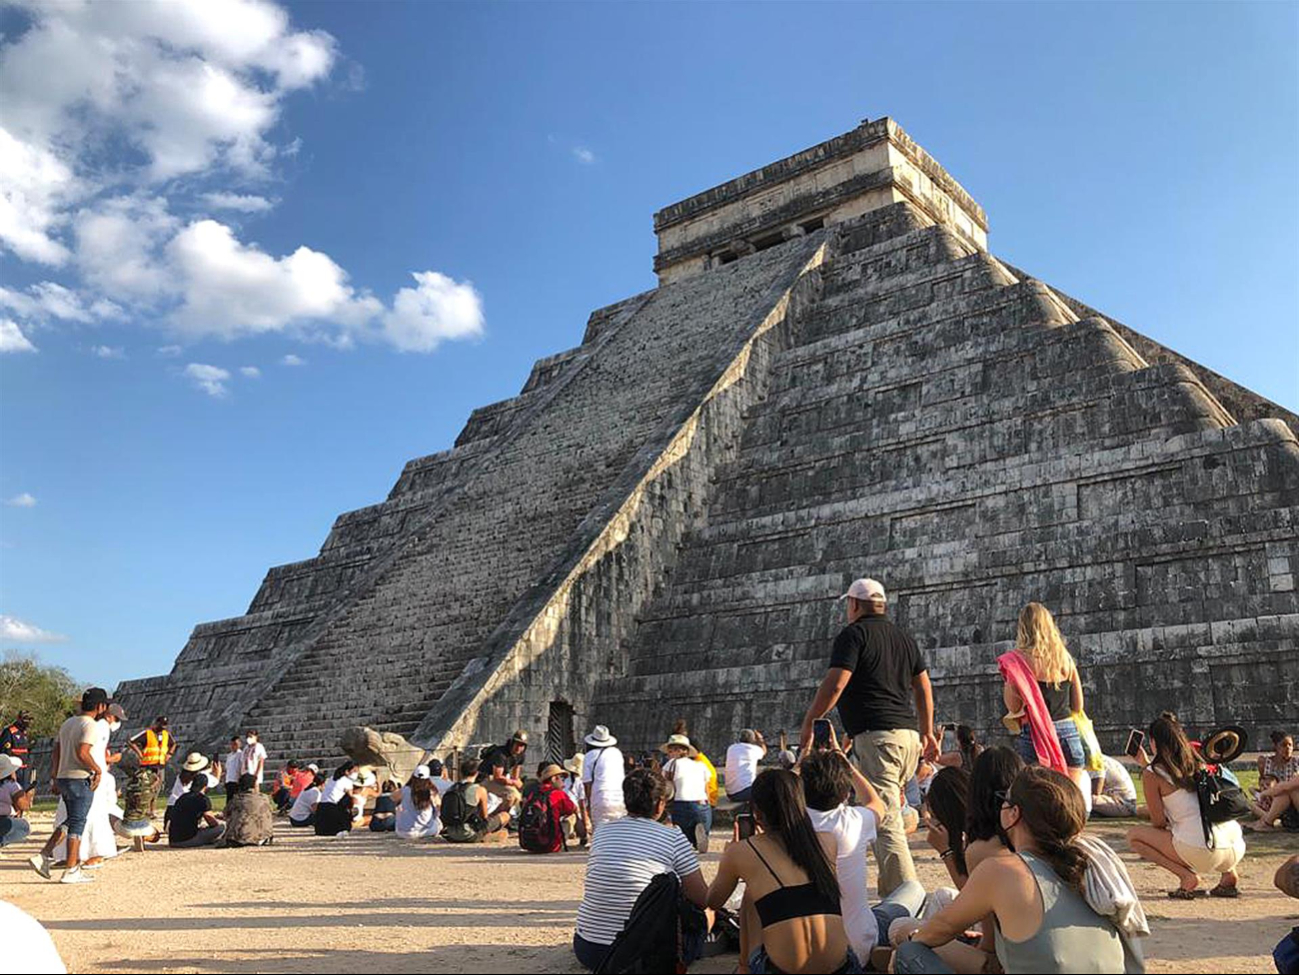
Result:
{"points": [[539, 828]]}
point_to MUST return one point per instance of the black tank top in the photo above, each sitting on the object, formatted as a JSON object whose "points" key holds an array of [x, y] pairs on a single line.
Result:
{"points": [[784, 903], [1059, 700]]}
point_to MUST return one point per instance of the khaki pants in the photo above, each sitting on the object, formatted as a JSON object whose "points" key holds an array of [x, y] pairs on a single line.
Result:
{"points": [[508, 794], [889, 760]]}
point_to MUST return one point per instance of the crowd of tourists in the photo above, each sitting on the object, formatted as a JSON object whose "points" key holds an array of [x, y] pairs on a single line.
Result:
{"points": [[1028, 890]]}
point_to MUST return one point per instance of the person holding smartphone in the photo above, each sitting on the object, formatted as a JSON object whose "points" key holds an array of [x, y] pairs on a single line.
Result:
{"points": [[15, 800]]}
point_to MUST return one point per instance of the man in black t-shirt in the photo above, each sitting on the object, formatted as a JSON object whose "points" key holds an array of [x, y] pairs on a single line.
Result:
{"points": [[192, 822], [876, 672], [501, 772]]}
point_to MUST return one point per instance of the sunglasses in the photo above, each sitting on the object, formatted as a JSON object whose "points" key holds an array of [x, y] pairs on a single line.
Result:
{"points": [[1003, 796]]}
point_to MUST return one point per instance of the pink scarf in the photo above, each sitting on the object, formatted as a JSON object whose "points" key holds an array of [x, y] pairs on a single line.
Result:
{"points": [[1019, 675]]}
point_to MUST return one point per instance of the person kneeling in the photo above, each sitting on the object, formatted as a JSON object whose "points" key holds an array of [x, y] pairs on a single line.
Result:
{"points": [[249, 821], [469, 811], [192, 822], [383, 818]]}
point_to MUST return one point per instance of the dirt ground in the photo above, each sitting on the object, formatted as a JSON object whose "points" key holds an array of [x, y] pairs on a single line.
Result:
{"points": [[372, 902]]}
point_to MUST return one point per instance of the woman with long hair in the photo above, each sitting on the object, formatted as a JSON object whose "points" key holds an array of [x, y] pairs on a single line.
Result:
{"points": [[1278, 781], [1040, 918], [1175, 837], [333, 814], [791, 912], [1043, 691], [417, 810]]}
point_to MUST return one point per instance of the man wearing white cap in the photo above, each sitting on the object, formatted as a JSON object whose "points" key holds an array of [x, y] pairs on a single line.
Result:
{"points": [[14, 803], [876, 672]]}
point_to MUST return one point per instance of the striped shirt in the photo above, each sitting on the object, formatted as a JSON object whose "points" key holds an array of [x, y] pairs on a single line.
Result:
{"points": [[626, 855]]}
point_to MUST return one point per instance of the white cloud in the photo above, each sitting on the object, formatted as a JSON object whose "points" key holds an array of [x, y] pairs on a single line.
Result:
{"points": [[169, 351], [436, 310], [250, 372], [18, 631], [108, 351], [210, 379], [24, 500], [47, 299], [293, 360], [118, 243], [583, 155], [12, 338], [244, 203]]}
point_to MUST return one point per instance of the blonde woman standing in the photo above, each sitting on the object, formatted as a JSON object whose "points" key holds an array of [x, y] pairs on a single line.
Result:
{"points": [[1043, 692]]}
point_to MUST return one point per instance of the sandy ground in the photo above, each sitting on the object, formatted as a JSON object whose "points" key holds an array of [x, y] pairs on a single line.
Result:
{"points": [[372, 902]]}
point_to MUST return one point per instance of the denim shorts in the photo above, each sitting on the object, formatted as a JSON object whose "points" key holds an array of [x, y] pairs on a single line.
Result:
{"points": [[760, 964], [1071, 744], [77, 797]]}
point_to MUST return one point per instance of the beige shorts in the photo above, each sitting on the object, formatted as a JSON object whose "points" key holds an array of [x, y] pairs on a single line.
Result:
{"points": [[1203, 860]]}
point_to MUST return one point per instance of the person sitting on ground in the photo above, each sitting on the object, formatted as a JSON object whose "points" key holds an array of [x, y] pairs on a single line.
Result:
{"points": [[1282, 762], [828, 781], [234, 767], [1035, 896], [602, 777], [577, 792], [500, 771], [1113, 794], [1175, 838], [282, 791], [790, 916], [968, 748], [249, 821], [545, 807], [192, 821], [333, 816], [383, 818], [438, 776], [690, 810], [303, 811], [627, 853], [195, 764], [417, 807], [742, 760], [14, 803], [1278, 795], [469, 812]]}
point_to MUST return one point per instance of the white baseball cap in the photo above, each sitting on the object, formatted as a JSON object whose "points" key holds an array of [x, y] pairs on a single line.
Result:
{"points": [[422, 772], [865, 589], [313, 767], [9, 765]]}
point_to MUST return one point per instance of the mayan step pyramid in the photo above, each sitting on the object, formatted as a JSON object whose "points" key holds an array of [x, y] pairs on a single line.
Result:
{"points": [[833, 378]]}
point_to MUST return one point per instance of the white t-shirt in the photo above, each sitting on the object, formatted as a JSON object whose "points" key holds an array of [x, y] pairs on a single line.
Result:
{"points": [[28, 946], [574, 789], [741, 766], [212, 781], [9, 788], [853, 829], [413, 823], [335, 789], [254, 761], [689, 780], [178, 789], [307, 798], [602, 774], [442, 785], [234, 766], [1118, 783]]}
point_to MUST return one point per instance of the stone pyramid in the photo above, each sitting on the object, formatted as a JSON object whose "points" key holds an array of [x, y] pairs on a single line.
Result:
{"points": [[833, 378]]}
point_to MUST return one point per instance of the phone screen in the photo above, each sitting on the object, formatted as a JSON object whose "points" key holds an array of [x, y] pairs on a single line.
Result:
{"points": [[1135, 740], [821, 733], [744, 825]]}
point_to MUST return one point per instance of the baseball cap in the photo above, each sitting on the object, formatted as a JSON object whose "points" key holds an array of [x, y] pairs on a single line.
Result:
{"points": [[434, 767], [313, 767], [94, 697], [421, 772], [865, 589]]}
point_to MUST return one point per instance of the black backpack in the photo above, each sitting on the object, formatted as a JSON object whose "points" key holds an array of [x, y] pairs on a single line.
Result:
{"points": [[650, 941], [538, 825], [1221, 799], [456, 809]]}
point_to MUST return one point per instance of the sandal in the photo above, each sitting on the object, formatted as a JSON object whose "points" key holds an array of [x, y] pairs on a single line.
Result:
{"points": [[1182, 894], [1224, 890]]}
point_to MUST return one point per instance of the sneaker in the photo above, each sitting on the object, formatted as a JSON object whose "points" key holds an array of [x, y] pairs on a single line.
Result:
{"points": [[41, 864], [93, 866], [76, 876], [701, 838]]}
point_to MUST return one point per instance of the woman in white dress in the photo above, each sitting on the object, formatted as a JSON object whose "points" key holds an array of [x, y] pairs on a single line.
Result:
{"points": [[99, 841]]}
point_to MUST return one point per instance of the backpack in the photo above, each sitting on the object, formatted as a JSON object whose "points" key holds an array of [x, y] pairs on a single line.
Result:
{"points": [[1221, 798], [650, 941], [458, 814], [538, 826]]}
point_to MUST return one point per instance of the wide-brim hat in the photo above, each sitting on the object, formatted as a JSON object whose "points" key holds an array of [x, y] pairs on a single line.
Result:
{"points": [[679, 741], [9, 765], [574, 764], [550, 771], [600, 737], [1224, 745], [195, 762]]}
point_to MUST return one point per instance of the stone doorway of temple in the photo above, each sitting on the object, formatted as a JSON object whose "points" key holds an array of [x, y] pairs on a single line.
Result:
{"points": [[560, 742]]}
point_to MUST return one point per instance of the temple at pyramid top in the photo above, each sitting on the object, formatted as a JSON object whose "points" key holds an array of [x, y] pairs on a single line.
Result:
{"points": [[873, 166]]}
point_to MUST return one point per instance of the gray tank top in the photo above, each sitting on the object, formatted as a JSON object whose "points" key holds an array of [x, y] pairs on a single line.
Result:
{"points": [[1072, 938]]}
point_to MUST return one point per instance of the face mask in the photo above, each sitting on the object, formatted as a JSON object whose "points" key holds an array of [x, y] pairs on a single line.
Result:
{"points": [[114, 725]]}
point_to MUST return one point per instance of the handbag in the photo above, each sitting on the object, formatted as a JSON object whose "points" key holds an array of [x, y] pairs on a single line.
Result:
{"points": [[1091, 745]]}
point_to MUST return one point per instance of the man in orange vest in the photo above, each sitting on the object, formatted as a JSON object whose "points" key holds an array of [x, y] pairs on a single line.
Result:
{"points": [[154, 746]]}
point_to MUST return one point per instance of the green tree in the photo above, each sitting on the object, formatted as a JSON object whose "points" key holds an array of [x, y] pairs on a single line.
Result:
{"points": [[47, 693]]}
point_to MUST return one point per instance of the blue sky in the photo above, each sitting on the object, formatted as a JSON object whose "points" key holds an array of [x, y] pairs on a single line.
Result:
{"points": [[271, 179]]}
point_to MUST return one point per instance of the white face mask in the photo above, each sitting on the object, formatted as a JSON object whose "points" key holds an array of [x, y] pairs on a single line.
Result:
{"points": [[114, 725]]}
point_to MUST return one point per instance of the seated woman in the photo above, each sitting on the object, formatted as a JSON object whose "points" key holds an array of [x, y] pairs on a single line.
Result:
{"points": [[303, 811], [626, 855], [383, 819], [968, 748], [332, 815], [192, 822], [1175, 837], [249, 821], [1041, 921], [417, 809], [791, 901], [1278, 779]]}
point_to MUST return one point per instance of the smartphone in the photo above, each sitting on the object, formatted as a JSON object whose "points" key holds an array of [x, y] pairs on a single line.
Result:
{"points": [[744, 825], [1135, 740], [821, 733]]}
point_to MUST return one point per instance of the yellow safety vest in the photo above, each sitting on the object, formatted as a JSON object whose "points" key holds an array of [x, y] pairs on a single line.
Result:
{"points": [[155, 748]]}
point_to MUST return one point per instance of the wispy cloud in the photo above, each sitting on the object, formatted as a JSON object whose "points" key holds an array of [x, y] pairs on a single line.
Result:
{"points": [[250, 372], [169, 351], [108, 351], [242, 202], [584, 155], [293, 360], [24, 500], [19, 631], [210, 379]]}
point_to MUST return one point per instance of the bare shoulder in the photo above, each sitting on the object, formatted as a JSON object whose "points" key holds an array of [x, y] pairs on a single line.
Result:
{"points": [[980, 850]]}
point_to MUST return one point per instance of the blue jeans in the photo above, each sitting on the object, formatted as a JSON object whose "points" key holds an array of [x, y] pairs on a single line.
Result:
{"points": [[686, 814], [13, 830], [760, 964], [744, 795], [77, 797], [913, 958], [905, 900], [1070, 743]]}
